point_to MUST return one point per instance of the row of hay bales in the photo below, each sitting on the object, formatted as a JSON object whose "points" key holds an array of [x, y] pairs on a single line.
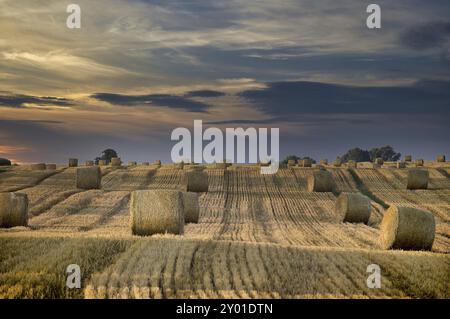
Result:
{"points": [[115, 162], [404, 228]]}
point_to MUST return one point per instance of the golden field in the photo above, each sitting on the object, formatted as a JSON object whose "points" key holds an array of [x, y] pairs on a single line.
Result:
{"points": [[258, 236]]}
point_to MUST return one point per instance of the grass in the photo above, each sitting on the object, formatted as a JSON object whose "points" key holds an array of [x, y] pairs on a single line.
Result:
{"points": [[35, 267]]}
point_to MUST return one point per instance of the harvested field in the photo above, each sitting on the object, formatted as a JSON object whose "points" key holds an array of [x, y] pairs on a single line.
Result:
{"points": [[258, 236]]}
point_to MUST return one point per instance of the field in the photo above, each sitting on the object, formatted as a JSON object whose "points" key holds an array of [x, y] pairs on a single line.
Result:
{"points": [[259, 236]]}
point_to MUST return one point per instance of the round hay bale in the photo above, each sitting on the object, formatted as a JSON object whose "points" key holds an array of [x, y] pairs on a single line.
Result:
{"points": [[132, 163], [89, 177], [407, 228], [38, 167], [417, 179], [379, 161], [157, 162], [102, 163], [440, 159], [408, 158], [419, 162], [145, 163], [156, 212], [191, 207], [401, 165], [320, 181], [352, 164], [50, 166], [324, 162], [179, 165], [353, 208], [220, 165], [73, 162], [116, 162], [291, 163], [13, 210], [89, 163], [305, 163], [197, 181], [337, 163]]}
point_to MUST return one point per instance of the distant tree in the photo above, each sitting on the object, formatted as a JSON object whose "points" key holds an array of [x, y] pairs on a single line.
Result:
{"points": [[387, 153], [297, 158], [107, 155], [356, 154], [5, 162]]}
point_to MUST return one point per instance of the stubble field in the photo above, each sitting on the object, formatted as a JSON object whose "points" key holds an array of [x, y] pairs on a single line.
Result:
{"points": [[258, 236]]}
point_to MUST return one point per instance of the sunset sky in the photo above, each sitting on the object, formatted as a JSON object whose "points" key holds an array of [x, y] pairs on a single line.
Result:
{"points": [[138, 69]]}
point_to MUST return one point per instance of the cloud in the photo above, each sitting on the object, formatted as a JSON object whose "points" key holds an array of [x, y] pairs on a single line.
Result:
{"points": [[156, 100], [294, 99], [426, 36], [23, 101], [204, 93]]}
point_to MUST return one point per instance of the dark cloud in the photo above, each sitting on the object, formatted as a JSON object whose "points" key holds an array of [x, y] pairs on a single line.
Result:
{"points": [[300, 120], [204, 93], [298, 98], [166, 100], [426, 36], [19, 101]]}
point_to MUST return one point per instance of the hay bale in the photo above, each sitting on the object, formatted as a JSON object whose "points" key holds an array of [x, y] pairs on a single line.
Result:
{"points": [[145, 163], [156, 211], [89, 177], [323, 162], [73, 162], [102, 163], [408, 158], [13, 210], [191, 207], [38, 167], [116, 162], [352, 164], [179, 165], [417, 179], [89, 163], [132, 163], [440, 159], [375, 165], [379, 161], [407, 228], [220, 165], [50, 166], [419, 162], [291, 163], [337, 163], [305, 163], [353, 208], [157, 162], [320, 181], [401, 164], [197, 181]]}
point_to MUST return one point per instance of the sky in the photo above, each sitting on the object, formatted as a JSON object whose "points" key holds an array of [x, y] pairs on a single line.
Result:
{"points": [[138, 69]]}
